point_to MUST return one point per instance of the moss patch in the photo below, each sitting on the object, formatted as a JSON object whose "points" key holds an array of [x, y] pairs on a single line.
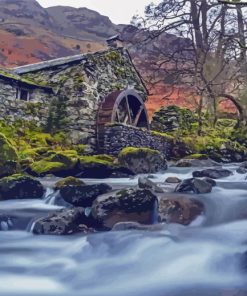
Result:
{"points": [[69, 181]]}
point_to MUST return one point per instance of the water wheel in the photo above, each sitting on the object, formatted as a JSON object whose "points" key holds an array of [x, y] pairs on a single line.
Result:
{"points": [[125, 107]]}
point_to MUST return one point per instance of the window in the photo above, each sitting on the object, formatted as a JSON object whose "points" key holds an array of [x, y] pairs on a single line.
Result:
{"points": [[22, 94]]}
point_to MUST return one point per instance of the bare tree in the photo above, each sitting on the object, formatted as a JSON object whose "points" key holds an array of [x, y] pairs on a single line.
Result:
{"points": [[205, 57]]}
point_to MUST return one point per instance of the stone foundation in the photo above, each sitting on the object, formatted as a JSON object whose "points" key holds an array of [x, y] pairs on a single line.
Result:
{"points": [[119, 136]]}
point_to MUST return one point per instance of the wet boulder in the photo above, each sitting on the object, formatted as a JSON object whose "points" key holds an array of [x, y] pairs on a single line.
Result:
{"points": [[20, 187], [63, 222], [196, 162], [101, 166], [83, 195], [179, 209], [67, 182], [212, 173], [136, 205], [210, 181], [146, 183], [241, 170], [243, 261], [142, 160], [173, 180], [194, 185]]}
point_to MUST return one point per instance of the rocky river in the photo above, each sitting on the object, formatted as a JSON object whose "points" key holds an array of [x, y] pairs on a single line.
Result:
{"points": [[206, 257]]}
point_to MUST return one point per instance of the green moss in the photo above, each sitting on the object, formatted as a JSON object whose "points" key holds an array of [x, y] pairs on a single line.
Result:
{"points": [[33, 108], [80, 148], [136, 152], [19, 78], [7, 151], [69, 181], [41, 139], [45, 166], [113, 56], [200, 144], [96, 159], [163, 135], [105, 157], [55, 162]]}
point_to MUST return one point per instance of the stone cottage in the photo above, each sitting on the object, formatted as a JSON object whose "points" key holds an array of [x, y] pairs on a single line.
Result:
{"points": [[102, 95]]}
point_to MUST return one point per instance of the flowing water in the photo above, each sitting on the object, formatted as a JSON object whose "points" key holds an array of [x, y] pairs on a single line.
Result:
{"points": [[200, 259]]}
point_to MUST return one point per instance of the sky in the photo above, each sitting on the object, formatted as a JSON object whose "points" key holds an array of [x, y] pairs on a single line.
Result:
{"points": [[119, 11]]}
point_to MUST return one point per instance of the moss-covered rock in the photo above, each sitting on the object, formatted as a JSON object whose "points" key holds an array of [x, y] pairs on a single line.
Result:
{"points": [[68, 181], [137, 205], [101, 166], [58, 164], [172, 118], [142, 160], [20, 187]]}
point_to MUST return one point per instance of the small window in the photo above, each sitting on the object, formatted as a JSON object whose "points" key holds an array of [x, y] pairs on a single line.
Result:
{"points": [[22, 94]]}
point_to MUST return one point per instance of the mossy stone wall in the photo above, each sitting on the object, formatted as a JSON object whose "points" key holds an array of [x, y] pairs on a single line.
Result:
{"points": [[12, 109], [120, 136]]}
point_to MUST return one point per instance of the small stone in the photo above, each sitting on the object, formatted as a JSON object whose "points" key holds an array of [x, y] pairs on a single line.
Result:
{"points": [[145, 183], [173, 180], [212, 173], [194, 185]]}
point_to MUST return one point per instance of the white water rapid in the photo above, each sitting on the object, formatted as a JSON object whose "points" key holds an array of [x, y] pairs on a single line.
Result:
{"points": [[201, 259]]}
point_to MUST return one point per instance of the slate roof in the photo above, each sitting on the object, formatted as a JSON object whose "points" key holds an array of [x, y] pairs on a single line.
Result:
{"points": [[71, 59], [55, 62], [13, 77]]}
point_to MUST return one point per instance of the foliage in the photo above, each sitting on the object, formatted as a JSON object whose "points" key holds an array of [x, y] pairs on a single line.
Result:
{"points": [[58, 116]]}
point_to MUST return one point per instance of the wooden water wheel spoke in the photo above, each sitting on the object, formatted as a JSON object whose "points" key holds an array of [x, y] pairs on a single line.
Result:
{"points": [[124, 107], [128, 110], [138, 115]]}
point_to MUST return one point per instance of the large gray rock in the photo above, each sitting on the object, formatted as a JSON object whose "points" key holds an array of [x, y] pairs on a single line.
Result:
{"points": [[142, 160], [212, 173], [83, 195], [146, 183], [135, 205], [194, 185], [186, 162], [179, 209], [20, 187], [63, 222]]}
